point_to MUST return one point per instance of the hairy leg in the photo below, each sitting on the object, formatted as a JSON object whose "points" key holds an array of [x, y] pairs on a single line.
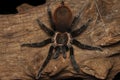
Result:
{"points": [[50, 18], [44, 28], [84, 46], [40, 44], [77, 17], [45, 62], [75, 20], [57, 52], [74, 64], [77, 32], [64, 50]]}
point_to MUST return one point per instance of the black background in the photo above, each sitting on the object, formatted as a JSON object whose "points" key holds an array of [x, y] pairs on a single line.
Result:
{"points": [[9, 7]]}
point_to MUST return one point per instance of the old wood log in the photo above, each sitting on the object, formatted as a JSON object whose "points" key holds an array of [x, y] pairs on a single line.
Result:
{"points": [[18, 62]]}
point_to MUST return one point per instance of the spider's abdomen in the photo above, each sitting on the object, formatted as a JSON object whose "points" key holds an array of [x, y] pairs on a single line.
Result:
{"points": [[62, 18], [62, 38]]}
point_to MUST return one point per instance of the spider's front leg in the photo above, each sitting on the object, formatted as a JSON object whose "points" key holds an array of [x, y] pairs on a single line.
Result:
{"points": [[45, 62], [74, 63], [40, 44], [60, 49], [84, 46]]}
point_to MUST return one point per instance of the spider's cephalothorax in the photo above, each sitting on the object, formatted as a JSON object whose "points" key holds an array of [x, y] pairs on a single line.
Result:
{"points": [[62, 36], [61, 39]]}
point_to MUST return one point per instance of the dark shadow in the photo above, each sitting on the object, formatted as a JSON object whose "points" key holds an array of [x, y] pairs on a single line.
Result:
{"points": [[9, 6], [117, 76], [73, 78]]}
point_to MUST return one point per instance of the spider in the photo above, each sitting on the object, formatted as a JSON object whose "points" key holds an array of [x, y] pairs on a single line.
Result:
{"points": [[62, 36]]}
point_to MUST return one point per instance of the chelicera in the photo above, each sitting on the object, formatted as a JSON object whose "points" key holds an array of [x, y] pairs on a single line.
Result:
{"points": [[62, 36]]}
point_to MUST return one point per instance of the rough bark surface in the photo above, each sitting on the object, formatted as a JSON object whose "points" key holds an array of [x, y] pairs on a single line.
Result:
{"points": [[17, 62]]}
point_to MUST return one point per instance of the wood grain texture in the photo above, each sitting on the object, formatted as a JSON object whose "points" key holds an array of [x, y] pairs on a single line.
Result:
{"points": [[16, 61]]}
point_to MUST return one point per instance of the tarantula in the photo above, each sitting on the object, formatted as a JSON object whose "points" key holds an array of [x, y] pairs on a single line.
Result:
{"points": [[62, 36]]}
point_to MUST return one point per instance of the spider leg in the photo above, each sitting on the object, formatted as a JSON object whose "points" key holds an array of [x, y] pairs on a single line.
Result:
{"points": [[84, 46], [64, 50], [75, 20], [74, 64], [77, 17], [45, 62], [40, 44], [50, 18], [43, 27], [60, 49], [57, 52], [81, 29]]}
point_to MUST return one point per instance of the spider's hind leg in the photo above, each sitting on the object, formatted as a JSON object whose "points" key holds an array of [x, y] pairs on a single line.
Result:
{"points": [[77, 32], [44, 28], [78, 17], [50, 17], [75, 20]]}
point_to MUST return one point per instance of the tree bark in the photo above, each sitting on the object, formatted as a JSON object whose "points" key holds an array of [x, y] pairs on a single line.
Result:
{"points": [[18, 62]]}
